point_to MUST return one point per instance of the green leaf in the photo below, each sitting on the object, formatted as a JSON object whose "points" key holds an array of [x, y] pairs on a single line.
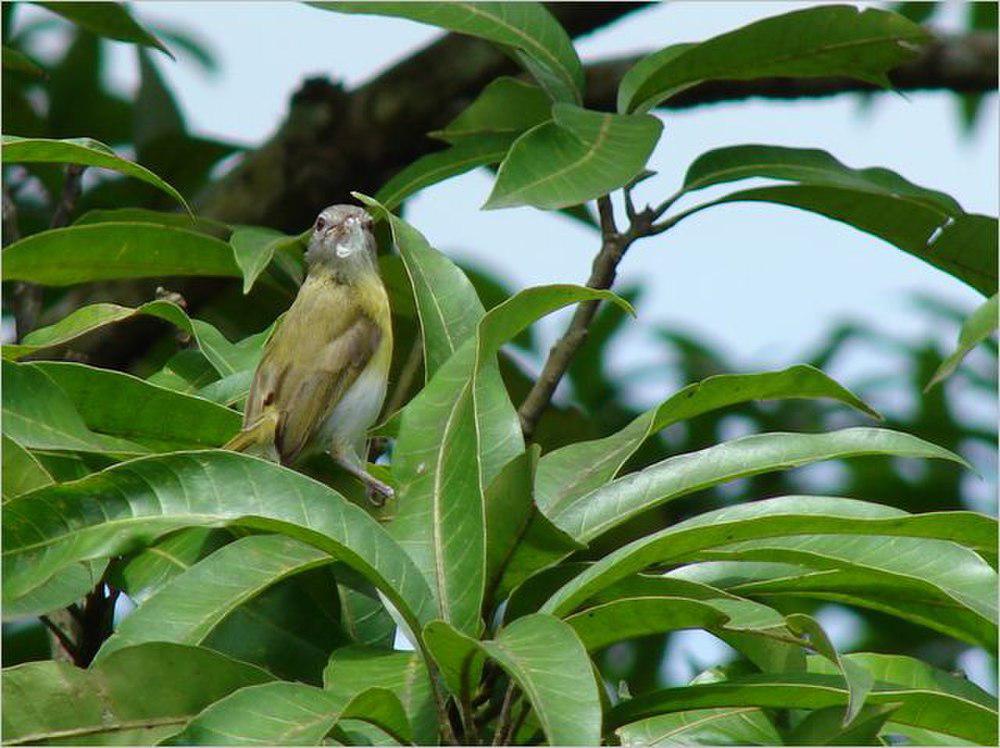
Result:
{"points": [[465, 155], [588, 516], [800, 516], [108, 251], [857, 678], [89, 318], [447, 304], [39, 415], [111, 20], [577, 156], [806, 166], [826, 727], [62, 589], [931, 582], [632, 617], [826, 41], [403, 673], [931, 708], [191, 604], [459, 658], [48, 529], [143, 215], [543, 45], [979, 326], [959, 246], [548, 662], [724, 726], [455, 437], [506, 107], [577, 469], [82, 151], [254, 248], [18, 62], [21, 472], [143, 574], [284, 713], [121, 405], [54, 701]]}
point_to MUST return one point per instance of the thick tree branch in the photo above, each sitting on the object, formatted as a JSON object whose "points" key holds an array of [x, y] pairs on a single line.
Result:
{"points": [[335, 141]]}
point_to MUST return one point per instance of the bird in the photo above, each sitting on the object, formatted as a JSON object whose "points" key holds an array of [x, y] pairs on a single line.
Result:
{"points": [[322, 376]]}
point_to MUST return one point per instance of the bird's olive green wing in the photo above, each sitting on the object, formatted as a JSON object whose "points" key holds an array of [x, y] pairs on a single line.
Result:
{"points": [[312, 393]]}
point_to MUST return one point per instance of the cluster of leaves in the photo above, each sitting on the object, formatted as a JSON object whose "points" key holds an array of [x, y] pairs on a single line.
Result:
{"points": [[268, 601]]}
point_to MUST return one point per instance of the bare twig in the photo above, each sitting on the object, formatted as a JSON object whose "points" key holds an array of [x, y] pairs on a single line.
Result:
{"points": [[602, 275], [27, 297], [68, 647], [70, 194], [503, 721]]}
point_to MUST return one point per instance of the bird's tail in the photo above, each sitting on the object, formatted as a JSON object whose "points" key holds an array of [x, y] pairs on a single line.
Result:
{"points": [[258, 438]]}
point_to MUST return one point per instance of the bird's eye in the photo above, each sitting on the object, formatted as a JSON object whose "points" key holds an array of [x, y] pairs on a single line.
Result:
{"points": [[320, 223]]}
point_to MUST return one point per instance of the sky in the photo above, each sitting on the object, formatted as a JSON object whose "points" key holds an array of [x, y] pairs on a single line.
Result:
{"points": [[762, 282]]}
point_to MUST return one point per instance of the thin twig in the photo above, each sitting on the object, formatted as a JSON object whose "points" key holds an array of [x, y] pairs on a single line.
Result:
{"points": [[504, 719], [602, 275], [518, 721], [64, 641], [70, 194]]}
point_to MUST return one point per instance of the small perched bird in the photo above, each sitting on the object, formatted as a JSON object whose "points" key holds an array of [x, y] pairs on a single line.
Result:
{"points": [[322, 378]]}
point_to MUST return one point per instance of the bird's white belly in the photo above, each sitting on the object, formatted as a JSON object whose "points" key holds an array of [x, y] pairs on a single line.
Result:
{"points": [[345, 428]]}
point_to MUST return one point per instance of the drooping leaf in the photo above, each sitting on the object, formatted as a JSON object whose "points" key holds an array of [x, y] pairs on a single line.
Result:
{"points": [[939, 708], [285, 713], [979, 326], [959, 246], [52, 527], [82, 151], [21, 472], [575, 157], [547, 661], [107, 19], [254, 248], [143, 215], [403, 673], [507, 107], [89, 318], [131, 698], [805, 166], [465, 155], [582, 467], [551, 666], [107, 251], [825, 41], [722, 726], [587, 516], [38, 414], [771, 518], [121, 405], [543, 46], [857, 678]]}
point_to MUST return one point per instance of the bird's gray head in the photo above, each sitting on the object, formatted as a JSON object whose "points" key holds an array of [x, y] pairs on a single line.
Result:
{"points": [[342, 239]]}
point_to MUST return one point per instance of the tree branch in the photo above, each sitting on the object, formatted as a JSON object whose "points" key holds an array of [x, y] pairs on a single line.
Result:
{"points": [[334, 141]]}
